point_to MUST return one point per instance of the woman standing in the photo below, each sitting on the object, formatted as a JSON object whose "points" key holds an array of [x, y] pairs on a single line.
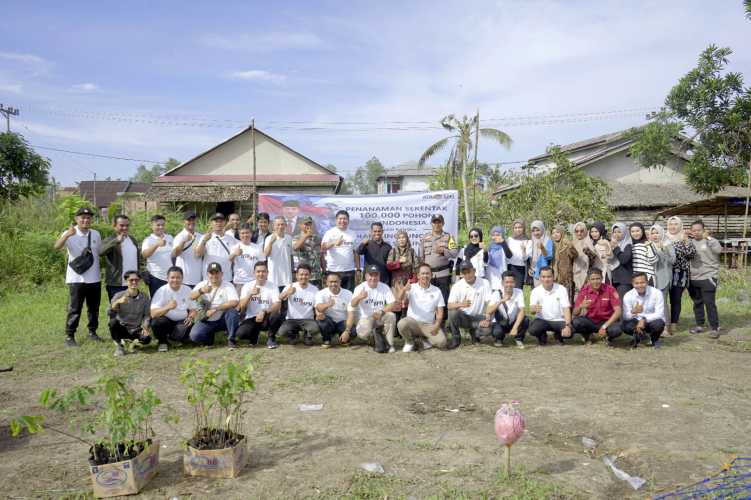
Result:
{"points": [[521, 250], [585, 252], [684, 252], [643, 256], [402, 261], [598, 235], [563, 262], [621, 244], [542, 250], [498, 255], [664, 265], [475, 252]]}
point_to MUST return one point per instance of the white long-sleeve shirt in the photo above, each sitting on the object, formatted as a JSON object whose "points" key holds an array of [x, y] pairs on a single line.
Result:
{"points": [[652, 301]]}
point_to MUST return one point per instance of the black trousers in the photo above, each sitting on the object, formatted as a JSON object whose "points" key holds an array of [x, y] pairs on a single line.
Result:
{"points": [[291, 328], [250, 329], [622, 288], [91, 293], [329, 328], [676, 294], [703, 293], [443, 284], [348, 280], [113, 289], [653, 328], [540, 327], [520, 275], [166, 329], [119, 332], [586, 327], [503, 328], [155, 284]]}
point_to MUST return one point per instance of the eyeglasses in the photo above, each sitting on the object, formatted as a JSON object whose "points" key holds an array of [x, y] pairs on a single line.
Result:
{"points": [[133, 280]]}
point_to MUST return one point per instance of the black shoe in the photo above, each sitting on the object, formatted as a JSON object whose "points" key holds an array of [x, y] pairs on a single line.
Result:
{"points": [[231, 344], [94, 337], [293, 340], [455, 342], [307, 340], [71, 342], [380, 344]]}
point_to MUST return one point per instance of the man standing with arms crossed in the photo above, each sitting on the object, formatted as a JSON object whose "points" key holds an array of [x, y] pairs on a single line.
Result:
{"points": [[86, 286]]}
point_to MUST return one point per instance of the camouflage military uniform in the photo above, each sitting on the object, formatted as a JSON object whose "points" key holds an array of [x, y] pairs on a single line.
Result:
{"points": [[310, 254]]}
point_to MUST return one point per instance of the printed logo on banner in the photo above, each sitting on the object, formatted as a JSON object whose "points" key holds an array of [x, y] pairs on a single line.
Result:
{"points": [[111, 477], [206, 462], [439, 196]]}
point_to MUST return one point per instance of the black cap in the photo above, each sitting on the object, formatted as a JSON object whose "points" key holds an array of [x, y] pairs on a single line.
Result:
{"points": [[466, 266], [371, 269], [218, 215], [437, 218], [214, 267], [84, 211], [190, 214]]}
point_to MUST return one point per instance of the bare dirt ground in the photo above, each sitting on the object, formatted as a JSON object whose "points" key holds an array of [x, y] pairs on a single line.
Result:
{"points": [[671, 416]]}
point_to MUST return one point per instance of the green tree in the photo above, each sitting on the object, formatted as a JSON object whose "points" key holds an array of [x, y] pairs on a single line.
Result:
{"points": [[747, 6], [148, 174], [713, 108], [364, 179], [461, 144], [563, 194], [22, 171]]}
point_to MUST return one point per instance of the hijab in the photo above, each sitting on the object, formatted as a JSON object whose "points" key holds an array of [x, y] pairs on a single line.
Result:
{"points": [[496, 255], [585, 242], [561, 247], [600, 226], [677, 236], [626, 235], [406, 251], [643, 233], [663, 239], [472, 248], [523, 235], [536, 252]]}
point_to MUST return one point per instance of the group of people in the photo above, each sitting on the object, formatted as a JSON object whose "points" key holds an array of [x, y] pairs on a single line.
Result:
{"points": [[295, 284]]}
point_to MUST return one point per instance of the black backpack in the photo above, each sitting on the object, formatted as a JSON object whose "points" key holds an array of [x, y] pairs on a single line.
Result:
{"points": [[83, 262]]}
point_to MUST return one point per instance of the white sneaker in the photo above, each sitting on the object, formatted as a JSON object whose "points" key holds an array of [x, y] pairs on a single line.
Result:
{"points": [[408, 348], [392, 349], [163, 348], [520, 344], [426, 345]]}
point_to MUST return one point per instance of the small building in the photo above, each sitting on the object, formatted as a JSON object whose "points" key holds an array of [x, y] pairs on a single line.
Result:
{"points": [[103, 193], [638, 193], [220, 179], [407, 177]]}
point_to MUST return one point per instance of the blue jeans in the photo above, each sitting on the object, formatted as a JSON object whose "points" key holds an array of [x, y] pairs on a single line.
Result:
{"points": [[203, 331]]}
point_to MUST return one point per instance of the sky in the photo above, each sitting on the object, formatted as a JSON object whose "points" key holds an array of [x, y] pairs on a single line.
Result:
{"points": [[341, 82]]}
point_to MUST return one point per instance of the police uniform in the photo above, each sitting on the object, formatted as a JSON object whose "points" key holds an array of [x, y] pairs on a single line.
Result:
{"points": [[440, 264]]}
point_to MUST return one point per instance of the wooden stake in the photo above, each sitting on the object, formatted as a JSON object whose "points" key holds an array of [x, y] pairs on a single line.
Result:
{"points": [[508, 461]]}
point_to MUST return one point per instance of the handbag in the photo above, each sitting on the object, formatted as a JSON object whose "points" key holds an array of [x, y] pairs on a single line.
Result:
{"points": [[203, 305], [83, 262]]}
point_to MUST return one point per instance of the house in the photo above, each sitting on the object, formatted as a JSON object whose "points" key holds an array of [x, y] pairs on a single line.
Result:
{"points": [[638, 193], [221, 178], [407, 177], [103, 193]]}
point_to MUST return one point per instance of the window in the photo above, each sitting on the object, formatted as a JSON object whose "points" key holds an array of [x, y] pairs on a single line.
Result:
{"points": [[393, 186]]}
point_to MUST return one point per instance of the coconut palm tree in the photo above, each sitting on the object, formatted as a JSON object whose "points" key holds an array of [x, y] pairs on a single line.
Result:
{"points": [[461, 145], [747, 5]]}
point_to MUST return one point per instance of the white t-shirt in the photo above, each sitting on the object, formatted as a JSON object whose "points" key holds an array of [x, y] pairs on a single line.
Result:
{"points": [[268, 295], [75, 246], [161, 259], [163, 296], [377, 298], [423, 302], [191, 265], [552, 302], [513, 305], [280, 260], [520, 251], [337, 312], [215, 252], [244, 262], [478, 292], [300, 304], [130, 257], [224, 294], [340, 258]]}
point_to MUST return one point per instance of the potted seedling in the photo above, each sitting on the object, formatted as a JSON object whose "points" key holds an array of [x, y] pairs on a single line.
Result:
{"points": [[123, 456], [217, 394]]}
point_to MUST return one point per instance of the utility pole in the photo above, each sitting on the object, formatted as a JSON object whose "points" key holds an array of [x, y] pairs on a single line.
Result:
{"points": [[474, 176], [8, 112], [255, 186]]}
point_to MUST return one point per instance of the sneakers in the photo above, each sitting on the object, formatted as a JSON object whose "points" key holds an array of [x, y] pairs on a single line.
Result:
{"points": [[520, 344], [162, 348], [307, 340], [94, 337], [326, 344], [408, 348], [271, 343], [71, 342], [392, 350], [498, 343], [119, 350], [231, 344], [714, 334], [696, 329]]}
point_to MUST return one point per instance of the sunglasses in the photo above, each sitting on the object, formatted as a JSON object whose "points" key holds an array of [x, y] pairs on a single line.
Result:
{"points": [[474, 235], [133, 280]]}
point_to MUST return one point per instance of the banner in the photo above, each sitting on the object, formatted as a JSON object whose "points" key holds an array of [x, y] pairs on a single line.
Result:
{"points": [[410, 212]]}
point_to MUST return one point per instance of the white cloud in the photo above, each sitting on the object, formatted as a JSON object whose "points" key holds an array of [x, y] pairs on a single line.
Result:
{"points": [[13, 88], [22, 58], [85, 87], [258, 75], [264, 42]]}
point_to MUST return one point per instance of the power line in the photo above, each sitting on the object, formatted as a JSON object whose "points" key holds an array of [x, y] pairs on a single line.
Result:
{"points": [[97, 155]]}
